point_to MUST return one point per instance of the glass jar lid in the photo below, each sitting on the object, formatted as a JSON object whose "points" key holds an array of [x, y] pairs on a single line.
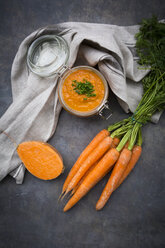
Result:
{"points": [[47, 55]]}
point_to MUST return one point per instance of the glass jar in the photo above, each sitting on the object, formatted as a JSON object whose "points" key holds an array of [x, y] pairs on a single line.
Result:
{"points": [[47, 55], [97, 110]]}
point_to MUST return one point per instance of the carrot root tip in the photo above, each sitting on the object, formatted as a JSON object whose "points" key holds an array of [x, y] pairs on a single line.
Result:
{"points": [[61, 195], [64, 194], [98, 207]]}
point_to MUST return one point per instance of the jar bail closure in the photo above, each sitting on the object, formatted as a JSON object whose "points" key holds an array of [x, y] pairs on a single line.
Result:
{"points": [[105, 111]]}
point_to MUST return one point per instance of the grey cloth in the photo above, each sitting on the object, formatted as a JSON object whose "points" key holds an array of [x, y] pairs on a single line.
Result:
{"points": [[35, 110]]}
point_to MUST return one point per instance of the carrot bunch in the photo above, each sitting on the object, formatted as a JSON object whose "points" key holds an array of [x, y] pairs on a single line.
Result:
{"points": [[103, 153]]}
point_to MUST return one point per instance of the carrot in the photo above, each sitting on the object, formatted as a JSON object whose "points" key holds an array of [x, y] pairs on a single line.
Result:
{"points": [[82, 179], [94, 177], [93, 157], [92, 145], [126, 145], [41, 159], [115, 142], [117, 172], [136, 152]]}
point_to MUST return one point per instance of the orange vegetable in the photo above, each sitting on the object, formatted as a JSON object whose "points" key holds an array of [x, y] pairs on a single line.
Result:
{"points": [[93, 157], [41, 159], [93, 177], [116, 174], [136, 152], [82, 179], [126, 145], [115, 142], [92, 145]]}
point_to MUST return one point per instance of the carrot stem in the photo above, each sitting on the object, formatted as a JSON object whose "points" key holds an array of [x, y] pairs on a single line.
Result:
{"points": [[124, 141], [134, 135], [118, 124], [139, 138], [121, 130]]}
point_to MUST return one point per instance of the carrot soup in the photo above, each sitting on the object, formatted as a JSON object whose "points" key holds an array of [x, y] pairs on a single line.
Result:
{"points": [[83, 90]]}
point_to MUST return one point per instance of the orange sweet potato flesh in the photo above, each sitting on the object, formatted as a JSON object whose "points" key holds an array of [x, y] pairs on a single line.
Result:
{"points": [[41, 159]]}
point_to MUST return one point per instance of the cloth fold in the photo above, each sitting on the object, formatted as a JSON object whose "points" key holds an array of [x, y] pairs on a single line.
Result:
{"points": [[35, 110]]}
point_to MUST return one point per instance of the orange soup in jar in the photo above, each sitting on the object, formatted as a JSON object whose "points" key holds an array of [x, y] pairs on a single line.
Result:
{"points": [[82, 90]]}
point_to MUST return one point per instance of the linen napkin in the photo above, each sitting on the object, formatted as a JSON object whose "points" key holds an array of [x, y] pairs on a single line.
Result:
{"points": [[35, 110]]}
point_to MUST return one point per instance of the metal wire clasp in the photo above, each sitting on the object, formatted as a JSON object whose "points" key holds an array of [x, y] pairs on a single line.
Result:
{"points": [[105, 111], [64, 69]]}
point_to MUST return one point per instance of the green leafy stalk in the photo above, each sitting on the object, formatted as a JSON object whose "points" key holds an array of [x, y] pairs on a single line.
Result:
{"points": [[122, 130], [124, 140], [118, 124], [134, 133], [151, 51], [139, 137]]}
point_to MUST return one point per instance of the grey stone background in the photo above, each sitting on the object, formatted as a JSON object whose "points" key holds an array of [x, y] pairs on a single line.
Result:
{"points": [[30, 215]]}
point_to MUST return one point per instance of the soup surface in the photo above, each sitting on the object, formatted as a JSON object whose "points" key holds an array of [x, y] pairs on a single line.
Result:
{"points": [[83, 90]]}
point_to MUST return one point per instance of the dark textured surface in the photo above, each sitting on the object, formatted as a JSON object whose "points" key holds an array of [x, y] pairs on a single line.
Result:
{"points": [[29, 214]]}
